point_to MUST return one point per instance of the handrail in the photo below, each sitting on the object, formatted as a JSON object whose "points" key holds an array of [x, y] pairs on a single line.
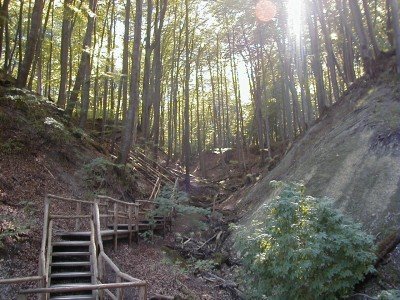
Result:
{"points": [[116, 200], [83, 287], [68, 199], [20, 279]]}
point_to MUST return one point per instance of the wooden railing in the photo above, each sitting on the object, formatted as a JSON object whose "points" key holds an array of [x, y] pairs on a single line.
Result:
{"points": [[103, 258], [121, 210]]}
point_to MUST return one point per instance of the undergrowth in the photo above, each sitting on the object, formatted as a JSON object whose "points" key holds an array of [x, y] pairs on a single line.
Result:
{"points": [[302, 248], [177, 202], [9, 229], [101, 174]]}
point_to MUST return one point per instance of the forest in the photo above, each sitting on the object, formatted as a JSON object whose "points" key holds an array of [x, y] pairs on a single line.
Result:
{"points": [[251, 90], [191, 76]]}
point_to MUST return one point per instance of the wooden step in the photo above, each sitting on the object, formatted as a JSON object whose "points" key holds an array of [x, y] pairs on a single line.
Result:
{"points": [[70, 294], [71, 243], [71, 275], [71, 253], [71, 264], [74, 297]]}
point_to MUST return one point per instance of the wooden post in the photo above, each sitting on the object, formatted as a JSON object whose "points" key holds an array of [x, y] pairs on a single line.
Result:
{"points": [[119, 291], [78, 212], [137, 223], [143, 293], [130, 224], [42, 259], [115, 226]]}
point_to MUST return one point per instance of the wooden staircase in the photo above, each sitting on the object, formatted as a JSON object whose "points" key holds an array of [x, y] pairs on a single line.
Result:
{"points": [[72, 261], [71, 264]]}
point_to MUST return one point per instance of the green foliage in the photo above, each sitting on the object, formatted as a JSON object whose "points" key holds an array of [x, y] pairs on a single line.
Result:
{"points": [[205, 265], [389, 295], [100, 174], [9, 229], [147, 235], [179, 203], [11, 146], [303, 249], [96, 174]]}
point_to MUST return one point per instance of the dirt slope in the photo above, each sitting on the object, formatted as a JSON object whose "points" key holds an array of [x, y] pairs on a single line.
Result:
{"points": [[352, 155]]}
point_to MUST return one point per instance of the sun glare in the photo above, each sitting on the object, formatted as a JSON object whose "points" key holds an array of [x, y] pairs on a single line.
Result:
{"points": [[295, 10], [265, 10]]}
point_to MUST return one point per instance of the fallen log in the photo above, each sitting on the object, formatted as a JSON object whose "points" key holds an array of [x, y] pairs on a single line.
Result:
{"points": [[387, 246]]}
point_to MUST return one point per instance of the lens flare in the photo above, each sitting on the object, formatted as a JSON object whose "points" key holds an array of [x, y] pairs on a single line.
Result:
{"points": [[265, 10]]}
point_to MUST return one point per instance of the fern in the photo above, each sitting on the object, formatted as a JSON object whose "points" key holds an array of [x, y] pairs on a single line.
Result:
{"points": [[303, 249]]}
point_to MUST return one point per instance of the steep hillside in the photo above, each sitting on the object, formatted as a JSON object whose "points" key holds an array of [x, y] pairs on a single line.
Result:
{"points": [[351, 155]]}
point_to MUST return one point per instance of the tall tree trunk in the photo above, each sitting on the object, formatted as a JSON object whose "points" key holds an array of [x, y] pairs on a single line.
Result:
{"points": [[34, 33], [347, 44], [396, 26], [370, 27], [316, 63], [146, 102], [158, 71], [329, 49], [125, 59], [365, 51], [186, 138], [64, 51], [3, 21], [84, 60], [131, 119]]}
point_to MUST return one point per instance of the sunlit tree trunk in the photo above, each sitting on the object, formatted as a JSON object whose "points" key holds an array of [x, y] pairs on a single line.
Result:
{"points": [[158, 69], [34, 33], [125, 59], [131, 119], [329, 50], [370, 27], [365, 51], [65, 41], [316, 62], [84, 61], [146, 99]]}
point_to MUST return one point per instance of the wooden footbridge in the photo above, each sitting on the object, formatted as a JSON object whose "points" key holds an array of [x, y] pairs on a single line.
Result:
{"points": [[73, 263]]}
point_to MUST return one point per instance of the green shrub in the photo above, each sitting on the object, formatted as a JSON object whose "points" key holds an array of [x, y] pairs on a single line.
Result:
{"points": [[389, 295], [303, 249], [12, 146], [101, 174], [9, 228], [179, 203]]}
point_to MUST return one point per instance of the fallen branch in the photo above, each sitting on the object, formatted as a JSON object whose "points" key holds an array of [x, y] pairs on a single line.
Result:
{"points": [[387, 245], [228, 285], [206, 242]]}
